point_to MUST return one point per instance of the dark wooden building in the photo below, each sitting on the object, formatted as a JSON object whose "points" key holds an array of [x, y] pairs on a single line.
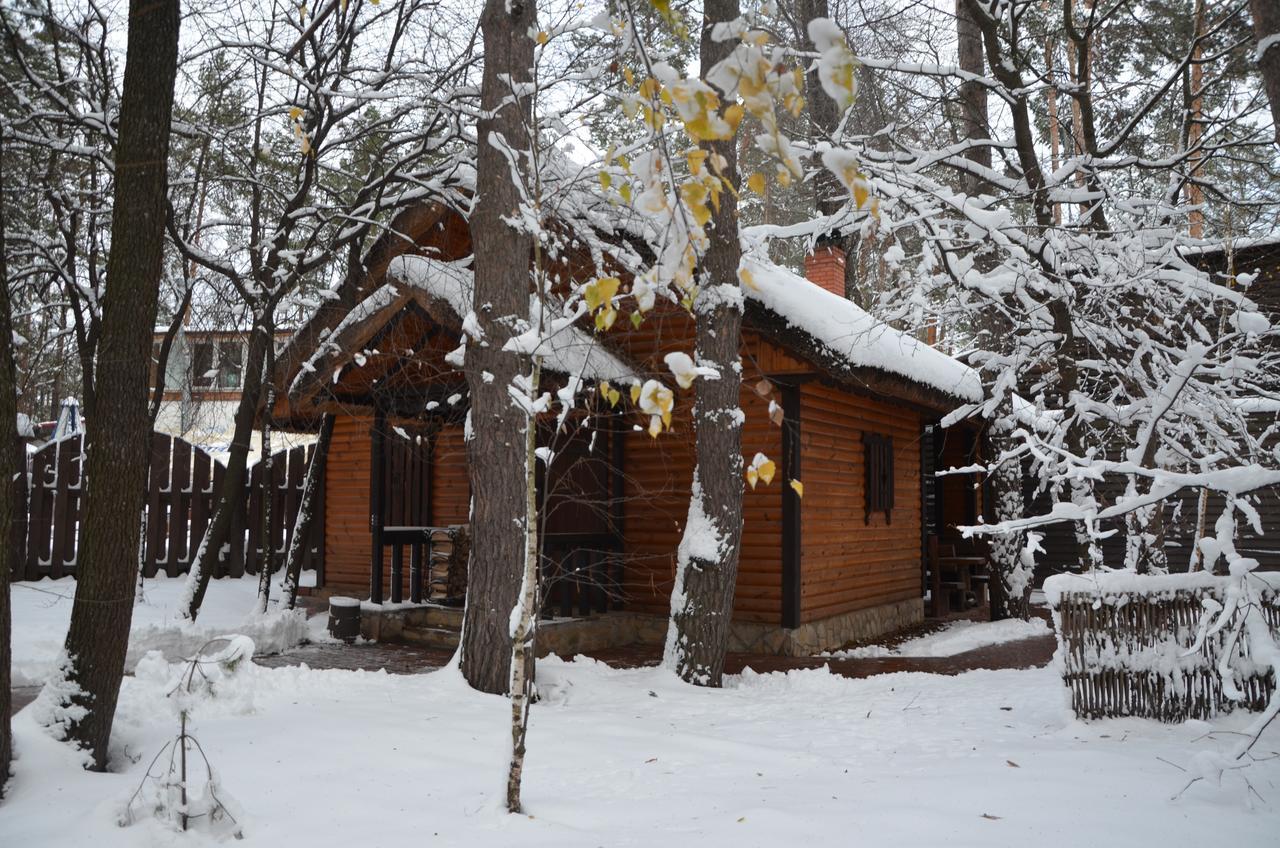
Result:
{"points": [[841, 403]]}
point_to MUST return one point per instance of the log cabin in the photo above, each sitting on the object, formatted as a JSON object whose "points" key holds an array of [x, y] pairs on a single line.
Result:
{"points": [[844, 405]]}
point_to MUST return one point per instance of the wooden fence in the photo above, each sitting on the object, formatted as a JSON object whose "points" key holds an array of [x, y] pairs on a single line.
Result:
{"points": [[1128, 653], [182, 483]]}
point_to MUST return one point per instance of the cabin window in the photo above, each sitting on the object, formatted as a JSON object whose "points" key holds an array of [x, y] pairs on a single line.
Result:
{"points": [[202, 370], [230, 364], [878, 460]]}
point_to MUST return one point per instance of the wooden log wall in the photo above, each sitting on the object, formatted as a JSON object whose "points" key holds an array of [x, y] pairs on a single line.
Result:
{"points": [[852, 561], [348, 541]]}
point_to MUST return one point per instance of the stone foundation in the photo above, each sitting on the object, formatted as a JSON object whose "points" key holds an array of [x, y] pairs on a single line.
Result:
{"points": [[567, 637]]}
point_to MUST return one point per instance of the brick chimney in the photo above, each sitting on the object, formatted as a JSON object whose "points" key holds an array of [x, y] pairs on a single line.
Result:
{"points": [[825, 266]]}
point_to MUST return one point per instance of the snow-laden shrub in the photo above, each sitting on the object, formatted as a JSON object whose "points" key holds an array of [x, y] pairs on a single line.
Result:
{"points": [[181, 788]]}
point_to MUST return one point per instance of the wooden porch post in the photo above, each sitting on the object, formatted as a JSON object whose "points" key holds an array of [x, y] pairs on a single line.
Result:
{"points": [[792, 551], [377, 469]]}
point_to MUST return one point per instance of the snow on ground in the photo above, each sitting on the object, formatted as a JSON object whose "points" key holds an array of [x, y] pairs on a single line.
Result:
{"points": [[633, 758], [955, 638], [42, 612]]}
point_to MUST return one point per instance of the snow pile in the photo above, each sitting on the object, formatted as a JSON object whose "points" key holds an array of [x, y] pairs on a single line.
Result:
{"points": [[635, 758], [956, 638], [853, 335], [42, 612]]}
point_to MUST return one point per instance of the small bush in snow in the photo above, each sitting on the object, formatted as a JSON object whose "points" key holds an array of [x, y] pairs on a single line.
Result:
{"points": [[168, 791]]}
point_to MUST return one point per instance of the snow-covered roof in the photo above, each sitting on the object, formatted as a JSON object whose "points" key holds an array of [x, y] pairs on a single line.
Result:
{"points": [[564, 345], [1220, 246], [852, 336], [439, 285]]}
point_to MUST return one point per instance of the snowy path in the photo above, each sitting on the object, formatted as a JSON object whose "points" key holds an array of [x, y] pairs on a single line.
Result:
{"points": [[631, 758], [42, 611]]}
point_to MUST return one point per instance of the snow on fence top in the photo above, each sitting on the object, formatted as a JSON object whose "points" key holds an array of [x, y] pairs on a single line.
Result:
{"points": [[1113, 586], [851, 334]]}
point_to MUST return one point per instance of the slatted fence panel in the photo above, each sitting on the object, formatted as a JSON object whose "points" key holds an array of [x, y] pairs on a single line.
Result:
{"points": [[182, 485], [1129, 654]]}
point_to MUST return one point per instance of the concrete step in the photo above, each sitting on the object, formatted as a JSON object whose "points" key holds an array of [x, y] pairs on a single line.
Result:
{"points": [[431, 615], [431, 637]]}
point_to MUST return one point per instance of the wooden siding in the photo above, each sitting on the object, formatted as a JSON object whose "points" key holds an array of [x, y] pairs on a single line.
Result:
{"points": [[346, 506], [348, 542], [450, 485], [659, 473], [850, 563]]}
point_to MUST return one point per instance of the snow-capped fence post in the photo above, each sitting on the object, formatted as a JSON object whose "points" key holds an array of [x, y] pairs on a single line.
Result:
{"points": [[1143, 645]]}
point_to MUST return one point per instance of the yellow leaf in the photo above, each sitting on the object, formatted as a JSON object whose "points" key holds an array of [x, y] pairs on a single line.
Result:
{"points": [[733, 116], [635, 392], [605, 180], [752, 476], [295, 113], [747, 280], [649, 88], [608, 287], [636, 319], [605, 318], [614, 397], [655, 426], [766, 470], [625, 191], [696, 156], [695, 197], [543, 38], [628, 76], [798, 487], [605, 389], [755, 182]]}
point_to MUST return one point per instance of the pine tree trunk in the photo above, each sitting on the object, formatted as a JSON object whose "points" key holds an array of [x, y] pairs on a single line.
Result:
{"points": [[707, 561], [308, 509], [495, 442], [231, 496], [116, 467], [973, 96], [9, 502], [1266, 24]]}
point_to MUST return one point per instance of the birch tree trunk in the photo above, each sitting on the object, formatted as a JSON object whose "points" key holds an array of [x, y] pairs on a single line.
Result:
{"points": [[9, 505], [268, 468], [308, 508], [495, 449], [1011, 588], [526, 614], [116, 468], [707, 560]]}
